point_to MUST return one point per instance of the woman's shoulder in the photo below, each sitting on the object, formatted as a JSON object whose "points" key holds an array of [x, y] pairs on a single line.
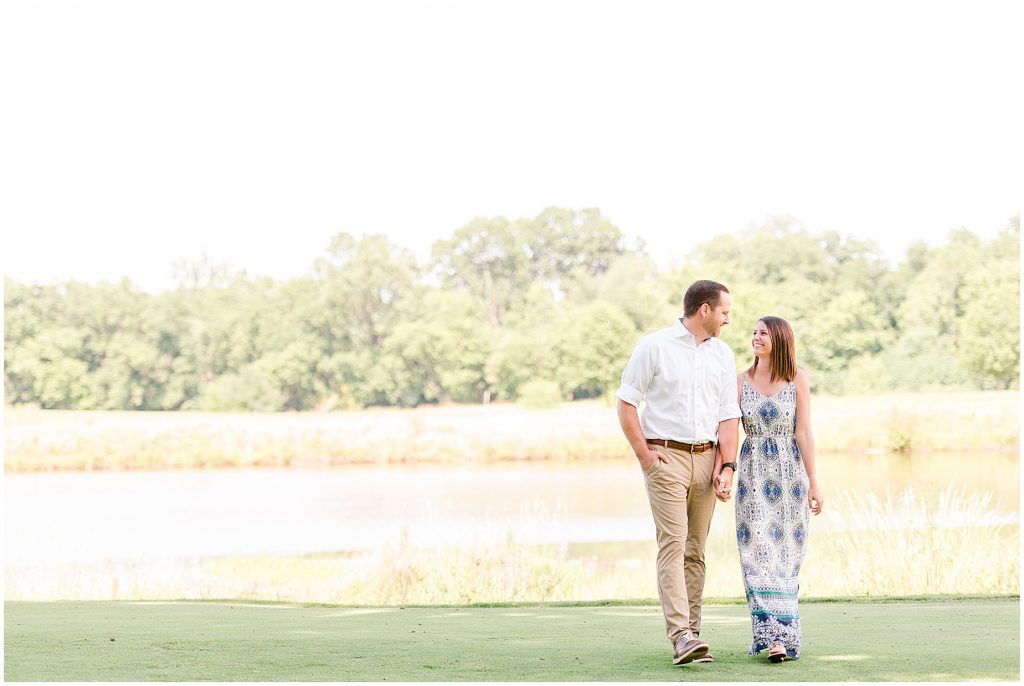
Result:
{"points": [[801, 380]]}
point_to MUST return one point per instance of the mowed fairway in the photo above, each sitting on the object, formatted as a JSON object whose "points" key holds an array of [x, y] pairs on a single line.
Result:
{"points": [[221, 641]]}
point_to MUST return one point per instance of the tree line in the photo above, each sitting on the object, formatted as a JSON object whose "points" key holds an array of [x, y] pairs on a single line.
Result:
{"points": [[511, 309]]}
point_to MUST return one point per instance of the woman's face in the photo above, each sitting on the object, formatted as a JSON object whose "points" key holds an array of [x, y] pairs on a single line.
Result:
{"points": [[762, 340]]}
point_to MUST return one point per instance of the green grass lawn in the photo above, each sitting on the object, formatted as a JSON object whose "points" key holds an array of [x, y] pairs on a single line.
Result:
{"points": [[934, 640]]}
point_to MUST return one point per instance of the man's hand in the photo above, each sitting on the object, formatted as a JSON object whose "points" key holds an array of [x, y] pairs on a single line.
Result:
{"points": [[723, 484], [648, 459]]}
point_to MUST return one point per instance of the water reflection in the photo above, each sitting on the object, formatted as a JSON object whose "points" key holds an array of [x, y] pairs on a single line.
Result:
{"points": [[92, 517]]}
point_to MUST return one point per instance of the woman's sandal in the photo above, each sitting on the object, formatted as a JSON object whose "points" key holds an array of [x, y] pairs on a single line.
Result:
{"points": [[776, 652]]}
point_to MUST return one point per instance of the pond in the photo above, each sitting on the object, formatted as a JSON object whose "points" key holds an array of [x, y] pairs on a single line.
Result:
{"points": [[61, 518]]}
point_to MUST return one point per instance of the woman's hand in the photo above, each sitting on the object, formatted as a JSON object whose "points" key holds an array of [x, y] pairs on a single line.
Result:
{"points": [[814, 498]]}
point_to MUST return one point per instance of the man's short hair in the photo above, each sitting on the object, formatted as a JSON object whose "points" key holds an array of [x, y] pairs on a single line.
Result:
{"points": [[700, 292]]}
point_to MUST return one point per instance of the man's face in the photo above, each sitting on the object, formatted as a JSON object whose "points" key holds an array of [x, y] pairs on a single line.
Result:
{"points": [[719, 316]]}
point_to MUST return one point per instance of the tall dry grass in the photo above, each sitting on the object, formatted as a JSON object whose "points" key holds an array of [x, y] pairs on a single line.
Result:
{"points": [[37, 440]]}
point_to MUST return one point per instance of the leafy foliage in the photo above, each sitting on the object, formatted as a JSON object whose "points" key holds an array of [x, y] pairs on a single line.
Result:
{"points": [[558, 298]]}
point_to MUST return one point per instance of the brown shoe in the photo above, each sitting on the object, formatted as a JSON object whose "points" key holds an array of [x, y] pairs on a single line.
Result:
{"points": [[777, 652], [688, 650], [708, 657]]}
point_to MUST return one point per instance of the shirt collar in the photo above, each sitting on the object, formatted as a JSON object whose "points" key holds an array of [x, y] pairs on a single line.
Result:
{"points": [[680, 331]]}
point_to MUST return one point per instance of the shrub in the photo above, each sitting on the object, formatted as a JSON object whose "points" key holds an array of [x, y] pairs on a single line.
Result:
{"points": [[539, 394]]}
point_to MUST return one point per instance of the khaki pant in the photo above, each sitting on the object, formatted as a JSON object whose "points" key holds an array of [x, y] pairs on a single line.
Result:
{"points": [[682, 501]]}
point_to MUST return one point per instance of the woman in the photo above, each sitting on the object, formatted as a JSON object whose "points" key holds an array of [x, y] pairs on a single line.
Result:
{"points": [[776, 489]]}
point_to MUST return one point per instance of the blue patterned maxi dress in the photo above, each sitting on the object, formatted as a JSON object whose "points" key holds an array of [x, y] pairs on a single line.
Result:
{"points": [[772, 515]]}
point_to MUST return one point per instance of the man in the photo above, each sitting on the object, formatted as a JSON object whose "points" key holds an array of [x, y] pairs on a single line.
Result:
{"points": [[687, 376]]}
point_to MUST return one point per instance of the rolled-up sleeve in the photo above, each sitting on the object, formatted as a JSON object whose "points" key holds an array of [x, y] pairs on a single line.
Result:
{"points": [[637, 375], [728, 403]]}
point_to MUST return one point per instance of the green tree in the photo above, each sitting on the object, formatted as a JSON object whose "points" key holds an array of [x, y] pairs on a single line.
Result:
{"points": [[525, 349], [935, 296], [924, 355], [848, 327], [988, 340], [216, 332], [593, 344], [830, 288], [566, 248], [556, 299], [439, 354], [486, 259], [46, 368], [632, 284], [28, 311], [363, 285]]}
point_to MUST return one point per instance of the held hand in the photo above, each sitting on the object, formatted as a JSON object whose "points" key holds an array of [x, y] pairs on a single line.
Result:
{"points": [[723, 485], [647, 460], [814, 499]]}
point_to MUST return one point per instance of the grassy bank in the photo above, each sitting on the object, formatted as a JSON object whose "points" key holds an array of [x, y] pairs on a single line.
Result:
{"points": [[37, 440], [913, 641]]}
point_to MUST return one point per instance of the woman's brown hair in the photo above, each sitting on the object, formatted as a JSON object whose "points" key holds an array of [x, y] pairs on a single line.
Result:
{"points": [[783, 356]]}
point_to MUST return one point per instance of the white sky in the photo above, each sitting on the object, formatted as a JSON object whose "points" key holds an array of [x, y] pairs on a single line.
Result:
{"points": [[135, 133]]}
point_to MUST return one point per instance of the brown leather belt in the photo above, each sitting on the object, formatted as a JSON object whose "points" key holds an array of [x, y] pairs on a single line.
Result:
{"points": [[679, 445]]}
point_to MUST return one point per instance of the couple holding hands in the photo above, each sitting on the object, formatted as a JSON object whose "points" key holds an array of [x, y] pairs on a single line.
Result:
{"points": [[686, 441]]}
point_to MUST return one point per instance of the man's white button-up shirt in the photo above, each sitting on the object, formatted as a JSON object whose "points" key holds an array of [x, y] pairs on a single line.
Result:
{"points": [[688, 388]]}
